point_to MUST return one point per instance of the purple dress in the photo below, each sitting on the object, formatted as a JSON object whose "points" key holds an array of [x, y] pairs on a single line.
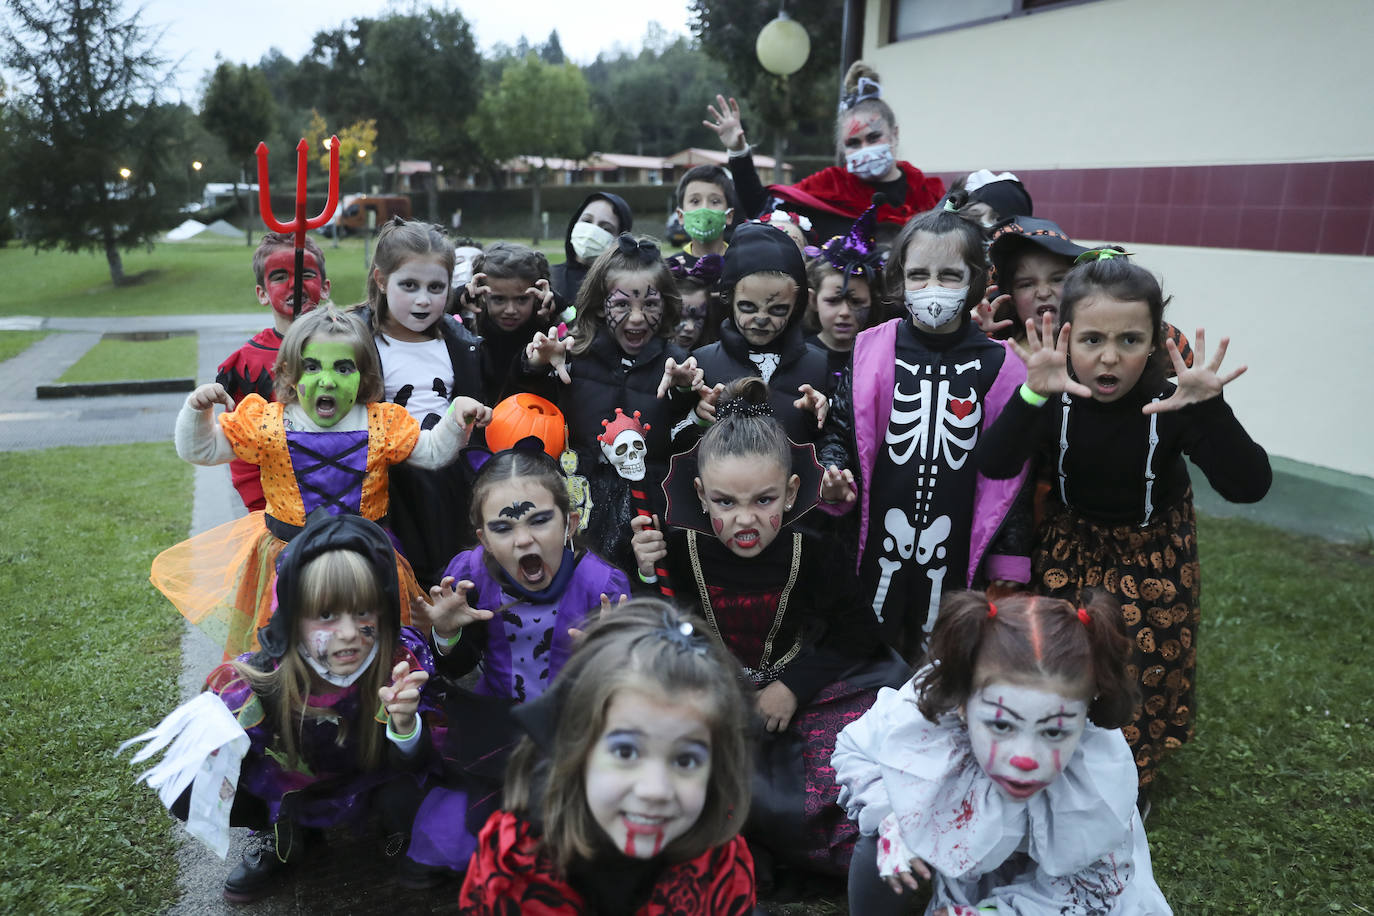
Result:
{"points": [[324, 761], [519, 652]]}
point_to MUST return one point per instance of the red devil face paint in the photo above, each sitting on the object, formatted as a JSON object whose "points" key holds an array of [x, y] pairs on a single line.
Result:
{"points": [[634, 309], [279, 279], [649, 771]]}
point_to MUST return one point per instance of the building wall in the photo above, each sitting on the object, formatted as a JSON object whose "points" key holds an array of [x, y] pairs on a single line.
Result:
{"points": [[1233, 151]]}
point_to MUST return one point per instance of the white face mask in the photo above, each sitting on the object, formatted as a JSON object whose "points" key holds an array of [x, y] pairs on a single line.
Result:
{"points": [[338, 680], [871, 162], [589, 240], [935, 306]]}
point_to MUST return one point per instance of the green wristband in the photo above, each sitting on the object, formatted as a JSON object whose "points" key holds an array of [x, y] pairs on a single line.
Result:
{"points": [[1030, 397], [446, 643], [647, 580]]}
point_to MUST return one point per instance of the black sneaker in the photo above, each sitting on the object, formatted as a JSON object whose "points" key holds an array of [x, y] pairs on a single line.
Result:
{"points": [[263, 864], [414, 876]]}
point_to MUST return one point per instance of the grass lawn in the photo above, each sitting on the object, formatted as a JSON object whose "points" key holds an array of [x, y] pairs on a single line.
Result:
{"points": [[12, 343], [91, 655], [1270, 810], [116, 359], [212, 276]]}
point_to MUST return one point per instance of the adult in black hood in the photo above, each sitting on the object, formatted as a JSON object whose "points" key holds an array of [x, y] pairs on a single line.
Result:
{"points": [[595, 225]]}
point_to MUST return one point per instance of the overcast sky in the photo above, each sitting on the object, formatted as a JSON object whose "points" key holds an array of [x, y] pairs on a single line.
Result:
{"points": [[243, 31]]}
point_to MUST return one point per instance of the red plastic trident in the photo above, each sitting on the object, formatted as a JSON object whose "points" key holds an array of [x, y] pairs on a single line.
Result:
{"points": [[300, 224]]}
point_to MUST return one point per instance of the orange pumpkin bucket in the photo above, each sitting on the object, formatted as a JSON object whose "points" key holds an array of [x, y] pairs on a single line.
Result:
{"points": [[522, 415]]}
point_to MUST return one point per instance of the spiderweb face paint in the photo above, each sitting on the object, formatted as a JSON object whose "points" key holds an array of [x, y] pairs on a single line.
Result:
{"points": [[633, 309]]}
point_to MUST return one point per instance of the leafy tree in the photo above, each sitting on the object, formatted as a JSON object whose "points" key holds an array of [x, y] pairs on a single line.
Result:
{"points": [[552, 51], [360, 136], [423, 70], [238, 109], [89, 109], [537, 110], [800, 107]]}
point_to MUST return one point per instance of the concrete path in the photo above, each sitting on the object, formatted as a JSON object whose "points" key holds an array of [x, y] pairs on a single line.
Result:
{"points": [[350, 875]]}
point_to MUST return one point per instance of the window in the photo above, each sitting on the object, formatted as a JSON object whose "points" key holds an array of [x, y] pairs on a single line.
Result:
{"points": [[913, 18]]}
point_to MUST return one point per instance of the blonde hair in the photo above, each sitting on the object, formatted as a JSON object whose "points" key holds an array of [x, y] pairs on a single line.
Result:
{"points": [[640, 647], [860, 69], [328, 321], [337, 580]]}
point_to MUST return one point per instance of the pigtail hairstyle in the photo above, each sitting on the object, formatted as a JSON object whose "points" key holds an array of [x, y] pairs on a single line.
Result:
{"points": [[1119, 278], [328, 321], [397, 242], [628, 254], [744, 425], [939, 222], [1029, 637], [649, 646]]}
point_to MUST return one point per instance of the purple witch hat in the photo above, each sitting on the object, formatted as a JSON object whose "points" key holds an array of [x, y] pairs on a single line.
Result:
{"points": [[856, 254]]}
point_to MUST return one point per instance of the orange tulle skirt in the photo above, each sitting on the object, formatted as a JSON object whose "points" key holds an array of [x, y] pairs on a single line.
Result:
{"points": [[224, 581]]}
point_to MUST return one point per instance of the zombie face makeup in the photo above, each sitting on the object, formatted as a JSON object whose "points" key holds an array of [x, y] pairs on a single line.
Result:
{"points": [[340, 642], [1023, 736], [328, 386], [416, 293], [649, 771], [1110, 344], [510, 303], [633, 309], [693, 321], [746, 497], [841, 312], [523, 530], [279, 283], [762, 305]]}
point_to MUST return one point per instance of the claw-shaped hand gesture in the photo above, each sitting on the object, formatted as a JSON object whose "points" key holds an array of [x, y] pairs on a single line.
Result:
{"points": [[686, 375], [447, 609], [837, 486], [706, 407], [542, 295], [1195, 384], [207, 396], [814, 403], [402, 698], [984, 311], [1047, 359], [550, 350]]}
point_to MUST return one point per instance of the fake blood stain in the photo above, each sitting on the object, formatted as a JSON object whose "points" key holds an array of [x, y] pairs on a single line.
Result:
{"points": [[634, 830]]}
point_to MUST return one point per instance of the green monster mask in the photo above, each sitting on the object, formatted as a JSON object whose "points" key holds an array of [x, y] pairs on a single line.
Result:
{"points": [[328, 386], [704, 225]]}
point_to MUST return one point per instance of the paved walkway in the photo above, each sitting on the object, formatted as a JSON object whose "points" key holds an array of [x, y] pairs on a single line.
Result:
{"points": [[350, 876]]}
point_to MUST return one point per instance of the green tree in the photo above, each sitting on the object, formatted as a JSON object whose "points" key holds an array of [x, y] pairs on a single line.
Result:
{"points": [[798, 108], [537, 110], [423, 70], [238, 108], [552, 51], [88, 155]]}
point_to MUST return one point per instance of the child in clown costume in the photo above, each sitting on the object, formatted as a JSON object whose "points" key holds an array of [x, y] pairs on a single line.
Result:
{"points": [[327, 442]]}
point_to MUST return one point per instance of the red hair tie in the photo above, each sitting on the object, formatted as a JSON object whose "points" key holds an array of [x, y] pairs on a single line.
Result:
{"points": [[992, 610], [1083, 616]]}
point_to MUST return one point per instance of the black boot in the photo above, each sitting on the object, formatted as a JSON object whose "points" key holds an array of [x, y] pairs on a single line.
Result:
{"points": [[266, 859]]}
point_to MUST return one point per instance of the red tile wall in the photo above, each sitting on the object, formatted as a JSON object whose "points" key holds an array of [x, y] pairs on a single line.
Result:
{"points": [[1321, 207]]}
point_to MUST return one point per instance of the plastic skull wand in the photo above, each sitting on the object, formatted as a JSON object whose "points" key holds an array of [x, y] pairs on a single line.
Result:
{"points": [[300, 223]]}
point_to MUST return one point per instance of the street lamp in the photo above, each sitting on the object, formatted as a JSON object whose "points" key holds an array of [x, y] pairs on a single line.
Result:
{"points": [[783, 45], [197, 165], [125, 173]]}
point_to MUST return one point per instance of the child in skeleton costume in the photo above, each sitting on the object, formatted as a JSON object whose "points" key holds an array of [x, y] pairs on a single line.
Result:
{"points": [[1102, 421], [999, 773], [620, 355], [511, 608], [923, 389], [327, 442], [787, 606], [763, 286], [248, 370], [335, 711]]}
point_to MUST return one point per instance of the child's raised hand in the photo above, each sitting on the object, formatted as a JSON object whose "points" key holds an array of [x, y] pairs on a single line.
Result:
{"points": [[983, 312], [207, 396], [1195, 384], [447, 609], [814, 402], [837, 486], [725, 121], [896, 862], [1047, 358], [706, 407], [648, 543], [551, 350], [476, 289], [402, 698], [606, 609], [468, 411], [777, 704], [686, 375], [544, 296]]}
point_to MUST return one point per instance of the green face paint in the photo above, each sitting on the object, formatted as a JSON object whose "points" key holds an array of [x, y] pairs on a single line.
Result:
{"points": [[328, 386]]}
